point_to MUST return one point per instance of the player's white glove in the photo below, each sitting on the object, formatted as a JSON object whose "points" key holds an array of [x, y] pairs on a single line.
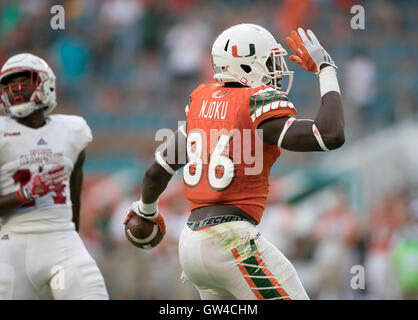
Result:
{"points": [[41, 183], [309, 53], [146, 211]]}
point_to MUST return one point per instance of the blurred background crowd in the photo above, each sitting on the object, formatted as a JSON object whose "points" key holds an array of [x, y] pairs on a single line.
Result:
{"points": [[128, 67]]}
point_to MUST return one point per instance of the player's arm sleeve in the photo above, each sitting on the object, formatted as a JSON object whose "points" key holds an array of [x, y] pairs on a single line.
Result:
{"points": [[324, 133], [8, 201], [269, 104], [85, 135]]}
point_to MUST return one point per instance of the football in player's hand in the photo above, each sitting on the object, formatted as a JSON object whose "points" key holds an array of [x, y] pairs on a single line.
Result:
{"points": [[143, 233]]}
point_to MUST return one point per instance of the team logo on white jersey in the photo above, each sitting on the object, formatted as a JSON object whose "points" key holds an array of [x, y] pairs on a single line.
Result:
{"points": [[42, 142], [41, 156]]}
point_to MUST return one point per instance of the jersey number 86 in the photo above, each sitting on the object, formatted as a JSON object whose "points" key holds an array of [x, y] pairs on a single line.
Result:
{"points": [[221, 169]]}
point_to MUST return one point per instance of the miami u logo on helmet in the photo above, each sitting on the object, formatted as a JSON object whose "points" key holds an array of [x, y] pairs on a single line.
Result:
{"points": [[235, 51]]}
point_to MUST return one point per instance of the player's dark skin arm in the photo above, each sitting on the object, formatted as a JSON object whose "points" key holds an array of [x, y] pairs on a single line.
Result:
{"points": [[76, 182], [299, 137], [329, 121], [154, 182], [156, 178], [8, 203]]}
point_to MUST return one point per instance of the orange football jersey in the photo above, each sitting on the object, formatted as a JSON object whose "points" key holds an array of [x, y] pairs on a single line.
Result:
{"points": [[227, 161]]}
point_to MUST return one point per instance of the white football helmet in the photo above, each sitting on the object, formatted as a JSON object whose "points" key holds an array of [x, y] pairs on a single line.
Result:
{"points": [[42, 80], [245, 53]]}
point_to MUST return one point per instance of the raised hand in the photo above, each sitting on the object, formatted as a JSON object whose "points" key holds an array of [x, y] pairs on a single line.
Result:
{"points": [[309, 53]]}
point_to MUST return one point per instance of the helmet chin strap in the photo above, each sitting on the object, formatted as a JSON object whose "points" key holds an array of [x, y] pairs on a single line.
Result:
{"points": [[25, 109], [241, 80], [21, 111]]}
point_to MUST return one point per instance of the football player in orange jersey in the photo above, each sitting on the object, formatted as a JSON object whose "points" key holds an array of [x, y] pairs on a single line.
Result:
{"points": [[220, 249]]}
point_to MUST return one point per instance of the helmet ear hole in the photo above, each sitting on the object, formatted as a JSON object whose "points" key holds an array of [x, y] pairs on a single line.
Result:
{"points": [[246, 68]]}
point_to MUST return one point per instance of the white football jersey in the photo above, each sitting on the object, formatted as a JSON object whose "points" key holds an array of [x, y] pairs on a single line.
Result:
{"points": [[23, 150]]}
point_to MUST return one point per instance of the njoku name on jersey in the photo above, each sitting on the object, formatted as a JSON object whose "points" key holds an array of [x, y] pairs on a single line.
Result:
{"points": [[23, 150]]}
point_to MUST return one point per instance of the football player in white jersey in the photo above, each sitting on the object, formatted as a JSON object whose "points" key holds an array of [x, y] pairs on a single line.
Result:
{"points": [[41, 158]]}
